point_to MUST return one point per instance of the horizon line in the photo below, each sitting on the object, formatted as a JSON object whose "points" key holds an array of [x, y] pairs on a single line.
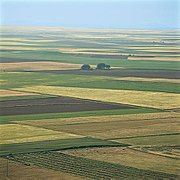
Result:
{"points": [[83, 27]]}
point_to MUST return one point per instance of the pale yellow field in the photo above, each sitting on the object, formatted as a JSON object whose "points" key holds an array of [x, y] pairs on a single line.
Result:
{"points": [[167, 48], [96, 53], [159, 100], [23, 48], [160, 50], [20, 40], [155, 58], [5, 93], [130, 157], [14, 43], [15, 133], [43, 65], [148, 50], [177, 81], [71, 50]]}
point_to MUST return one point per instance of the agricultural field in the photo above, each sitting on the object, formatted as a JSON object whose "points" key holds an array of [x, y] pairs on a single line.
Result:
{"points": [[160, 100], [60, 122], [19, 170], [43, 65]]}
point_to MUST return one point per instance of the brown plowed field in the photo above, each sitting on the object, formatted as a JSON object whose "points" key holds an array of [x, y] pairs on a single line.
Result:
{"points": [[170, 74], [54, 105]]}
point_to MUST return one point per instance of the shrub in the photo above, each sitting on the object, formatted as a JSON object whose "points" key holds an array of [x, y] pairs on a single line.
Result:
{"points": [[108, 66], [85, 67], [101, 66]]}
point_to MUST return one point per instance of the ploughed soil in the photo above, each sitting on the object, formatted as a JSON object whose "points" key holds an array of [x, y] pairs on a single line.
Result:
{"points": [[170, 74], [54, 105]]}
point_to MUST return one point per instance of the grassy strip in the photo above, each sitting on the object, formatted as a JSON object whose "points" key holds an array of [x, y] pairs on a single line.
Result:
{"points": [[16, 80], [129, 85], [168, 140], [152, 135], [60, 57], [9, 119], [56, 145]]}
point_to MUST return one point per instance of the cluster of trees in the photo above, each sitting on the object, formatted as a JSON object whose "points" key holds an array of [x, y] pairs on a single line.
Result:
{"points": [[100, 66]]}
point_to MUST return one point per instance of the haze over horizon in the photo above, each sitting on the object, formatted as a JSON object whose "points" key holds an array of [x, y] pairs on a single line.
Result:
{"points": [[131, 14]]}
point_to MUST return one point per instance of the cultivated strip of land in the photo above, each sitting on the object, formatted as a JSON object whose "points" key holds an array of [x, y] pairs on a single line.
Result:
{"points": [[42, 65], [107, 118], [129, 157], [58, 144], [54, 105], [14, 133], [86, 167], [139, 98], [8, 93]]}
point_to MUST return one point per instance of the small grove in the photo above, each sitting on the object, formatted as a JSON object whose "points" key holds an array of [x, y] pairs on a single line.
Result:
{"points": [[100, 66]]}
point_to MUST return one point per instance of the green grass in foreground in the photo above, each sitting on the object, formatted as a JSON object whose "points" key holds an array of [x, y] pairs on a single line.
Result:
{"points": [[20, 79], [61, 144], [60, 57], [9, 119]]}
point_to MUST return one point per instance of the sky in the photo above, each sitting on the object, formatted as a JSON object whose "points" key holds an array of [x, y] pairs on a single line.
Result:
{"points": [[136, 14]]}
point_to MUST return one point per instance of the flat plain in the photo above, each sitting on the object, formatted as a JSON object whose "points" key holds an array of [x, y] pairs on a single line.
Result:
{"points": [[60, 122]]}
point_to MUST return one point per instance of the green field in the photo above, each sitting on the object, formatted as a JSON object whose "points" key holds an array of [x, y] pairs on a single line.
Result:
{"points": [[40, 70], [57, 56], [20, 79], [61, 144], [162, 140]]}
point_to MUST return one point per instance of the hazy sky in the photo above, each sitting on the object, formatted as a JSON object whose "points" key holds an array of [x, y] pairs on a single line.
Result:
{"points": [[149, 14]]}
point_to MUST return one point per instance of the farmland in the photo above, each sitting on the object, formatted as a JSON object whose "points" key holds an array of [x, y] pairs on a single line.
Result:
{"points": [[43, 65], [29, 134], [58, 121], [86, 167], [149, 99], [18, 170], [129, 157], [54, 105], [116, 126]]}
